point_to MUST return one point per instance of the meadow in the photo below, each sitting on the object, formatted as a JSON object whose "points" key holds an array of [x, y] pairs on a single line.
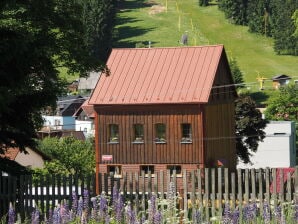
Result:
{"points": [[163, 22]]}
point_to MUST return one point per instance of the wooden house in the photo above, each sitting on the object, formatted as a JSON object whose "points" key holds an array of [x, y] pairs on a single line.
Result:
{"points": [[165, 108], [280, 80]]}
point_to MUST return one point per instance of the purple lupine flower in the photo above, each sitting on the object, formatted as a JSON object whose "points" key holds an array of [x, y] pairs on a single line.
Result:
{"points": [[11, 214], [152, 208], [157, 219], [235, 217], [80, 207], [74, 206], [119, 209], [171, 196], [295, 213], [50, 218], [56, 215], [250, 212], [266, 213], [103, 206], [143, 219], [227, 214], [107, 219], [197, 216], [86, 199], [35, 216], [277, 213], [64, 212], [94, 211], [130, 215]]}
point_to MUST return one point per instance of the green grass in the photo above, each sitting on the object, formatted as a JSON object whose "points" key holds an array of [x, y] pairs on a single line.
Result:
{"points": [[205, 25]]}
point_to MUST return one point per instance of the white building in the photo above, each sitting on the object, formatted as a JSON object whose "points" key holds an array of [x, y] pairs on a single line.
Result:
{"points": [[278, 148], [84, 119]]}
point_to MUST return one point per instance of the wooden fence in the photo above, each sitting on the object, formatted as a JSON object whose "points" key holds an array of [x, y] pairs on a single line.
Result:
{"points": [[210, 188]]}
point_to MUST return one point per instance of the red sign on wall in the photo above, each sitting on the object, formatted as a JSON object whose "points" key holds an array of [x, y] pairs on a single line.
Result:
{"points": [[107, 157]]}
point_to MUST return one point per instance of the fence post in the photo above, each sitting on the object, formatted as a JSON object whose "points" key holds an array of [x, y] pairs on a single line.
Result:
{"points": [[185, 195]]}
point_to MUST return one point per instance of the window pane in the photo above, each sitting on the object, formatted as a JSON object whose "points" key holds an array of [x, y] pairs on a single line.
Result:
{"points": [[147, 169], [186, 132], [160, 132], [115, 171], [114, 133], [138, 132]]}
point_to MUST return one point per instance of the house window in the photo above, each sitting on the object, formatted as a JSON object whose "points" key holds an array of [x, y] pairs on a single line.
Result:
{"points": [[138, 133], [160, 133], [176, 168], [147, 169], [115, 171], [114, 133], [186, 133], [58, 124]]}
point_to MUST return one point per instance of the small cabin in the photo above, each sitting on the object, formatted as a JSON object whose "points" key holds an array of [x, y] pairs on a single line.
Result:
{"points": [[163, 109], [280, 80]]}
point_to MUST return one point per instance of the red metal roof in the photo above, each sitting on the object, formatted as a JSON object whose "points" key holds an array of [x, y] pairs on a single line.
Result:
{"points": [[158, 75]]}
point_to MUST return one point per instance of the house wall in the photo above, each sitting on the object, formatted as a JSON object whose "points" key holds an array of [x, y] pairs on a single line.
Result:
{"points": [[278, 149], [172, 152], [219, 135], [59, 122], [32, 159], [86, 126]]}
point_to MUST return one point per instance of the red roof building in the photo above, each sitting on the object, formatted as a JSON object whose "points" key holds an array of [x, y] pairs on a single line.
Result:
{"points": [[165, 107]]}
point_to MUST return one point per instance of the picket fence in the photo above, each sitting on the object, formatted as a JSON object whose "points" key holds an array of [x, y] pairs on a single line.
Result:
{"points": [[209, 187]]}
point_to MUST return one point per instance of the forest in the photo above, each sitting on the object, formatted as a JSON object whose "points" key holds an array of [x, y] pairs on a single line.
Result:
{"points": [[272, 18]]}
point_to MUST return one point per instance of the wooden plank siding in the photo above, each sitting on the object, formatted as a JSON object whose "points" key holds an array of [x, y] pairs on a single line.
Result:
{"points": [[219, 134], [149, 152]]}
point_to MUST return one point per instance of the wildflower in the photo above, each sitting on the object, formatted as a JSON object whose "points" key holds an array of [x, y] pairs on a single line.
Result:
{"points": [[50, 218], [250, 212], [56, 215], [227, 214], [103, 206], [80, 207], [94, 210], [118, 205], [277, 213], [107, 219], [197, 217], [86, 200], [74, 203], [235, 217], [295, 213], [130, 215], [11, 214], [266, 213], [157, 219], [152, 208], [35, 216], [64, 212]]}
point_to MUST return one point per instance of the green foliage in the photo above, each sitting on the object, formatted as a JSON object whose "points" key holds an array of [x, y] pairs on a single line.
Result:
{"points": [[283, 106], [38, 37], [236, 73], [249, 127], [295, 20], [69, 156], [203, 2], [270, 18]]}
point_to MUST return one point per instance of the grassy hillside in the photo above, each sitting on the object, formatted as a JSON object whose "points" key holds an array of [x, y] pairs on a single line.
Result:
{"points": [[164, 21]]}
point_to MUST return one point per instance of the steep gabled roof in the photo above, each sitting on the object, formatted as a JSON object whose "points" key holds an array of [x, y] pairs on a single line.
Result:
{"points": [[280, 77], [68, 105], [158, 75], [87, 108]]}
